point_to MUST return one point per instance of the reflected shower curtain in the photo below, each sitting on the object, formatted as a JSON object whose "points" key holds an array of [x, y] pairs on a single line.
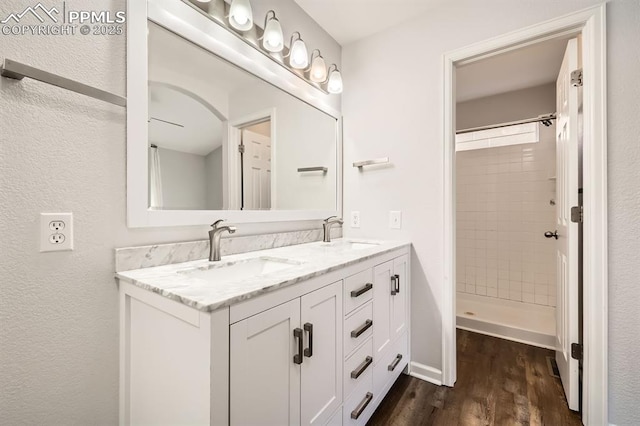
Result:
{"points": [[155, 182]]}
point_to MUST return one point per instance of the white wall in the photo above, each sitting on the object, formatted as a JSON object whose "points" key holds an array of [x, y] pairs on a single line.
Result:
{"points": [[60, 151], [184, 180], [505, 107], [305, 137], [392, 105], [214, 179]]}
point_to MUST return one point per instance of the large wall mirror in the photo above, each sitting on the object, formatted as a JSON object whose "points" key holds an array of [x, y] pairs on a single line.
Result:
{"points": [[216, 135]]}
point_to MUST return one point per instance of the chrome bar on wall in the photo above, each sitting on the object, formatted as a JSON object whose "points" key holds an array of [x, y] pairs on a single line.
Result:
{"points": [[359, 164], [18, 71], [313, 169], [544, 119]]}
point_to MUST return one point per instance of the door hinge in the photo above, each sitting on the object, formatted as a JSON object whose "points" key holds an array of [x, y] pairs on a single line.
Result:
{"points": [[576, 351], [577, 214], [576, 78], [241, 149]]}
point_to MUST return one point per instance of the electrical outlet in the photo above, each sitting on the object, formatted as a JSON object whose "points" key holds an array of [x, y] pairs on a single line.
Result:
{"points": [[355, 219], [395, 219], [56, 231]]}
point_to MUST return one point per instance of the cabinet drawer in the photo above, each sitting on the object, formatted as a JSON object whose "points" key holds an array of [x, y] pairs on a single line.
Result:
{"points": [[356, 367], [360, 403], [358, 289], [388, 368], [358, 328]]}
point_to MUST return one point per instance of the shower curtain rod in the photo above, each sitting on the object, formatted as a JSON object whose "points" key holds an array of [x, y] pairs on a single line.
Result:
{"points": [[545, 119]]}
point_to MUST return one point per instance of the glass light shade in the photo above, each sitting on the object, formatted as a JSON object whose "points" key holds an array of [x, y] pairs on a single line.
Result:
{"points": [[299, 56], [272, 40], [335, 82], [318, 73], [241, 15]]}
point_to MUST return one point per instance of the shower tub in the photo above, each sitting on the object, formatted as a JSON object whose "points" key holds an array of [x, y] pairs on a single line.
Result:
{"points": [[521, 322]]}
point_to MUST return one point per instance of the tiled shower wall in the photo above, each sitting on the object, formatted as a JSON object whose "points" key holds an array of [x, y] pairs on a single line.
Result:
{"points": [[503, 209]]}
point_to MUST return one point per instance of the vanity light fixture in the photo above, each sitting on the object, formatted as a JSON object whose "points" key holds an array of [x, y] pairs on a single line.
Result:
{"points": [[298, 54], [334, 84], [272, 38], [241, 15], [318, 70]]}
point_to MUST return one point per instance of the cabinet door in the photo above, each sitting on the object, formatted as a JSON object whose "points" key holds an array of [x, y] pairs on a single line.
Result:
{"points": [[399, 300], [321, 386], [382, 287], [265, 381]]}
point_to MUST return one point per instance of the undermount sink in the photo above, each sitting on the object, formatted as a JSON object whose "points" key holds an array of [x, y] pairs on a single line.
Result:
{"points": [[240, 270], [349, 245]]}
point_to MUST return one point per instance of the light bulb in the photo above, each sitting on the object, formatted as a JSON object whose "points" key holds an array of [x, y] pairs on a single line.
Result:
{"points": [[335, 82], [299, 56], [241, 15], [318, 73], [272, 38]]}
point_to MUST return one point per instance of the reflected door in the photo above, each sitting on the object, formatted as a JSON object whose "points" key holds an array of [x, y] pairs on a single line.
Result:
{"points": [[256, 171]]}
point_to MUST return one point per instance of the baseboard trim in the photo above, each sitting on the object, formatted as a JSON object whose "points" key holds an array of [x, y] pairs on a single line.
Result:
{"points": [[426, 373]]}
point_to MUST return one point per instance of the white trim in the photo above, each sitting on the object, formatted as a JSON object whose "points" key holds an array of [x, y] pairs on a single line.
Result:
{"points": [[591, 23], [183, 20], [426, 373]]}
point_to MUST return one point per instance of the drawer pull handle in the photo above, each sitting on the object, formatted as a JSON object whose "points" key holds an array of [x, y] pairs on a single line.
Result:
{"points": [[361, 291], [395, 284], [297, 334], [308, 327], [364, 327], [361, 368], [361, 407], [395, 362]]}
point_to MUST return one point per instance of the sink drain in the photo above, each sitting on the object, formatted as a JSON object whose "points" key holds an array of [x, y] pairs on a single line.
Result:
{"points": [[469, 313]]}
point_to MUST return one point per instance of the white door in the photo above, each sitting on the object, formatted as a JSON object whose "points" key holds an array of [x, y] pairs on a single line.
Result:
{"points": [[567, 241], [382, 288], [264, 379], [399, 299], [321, 387], [256, 173]]}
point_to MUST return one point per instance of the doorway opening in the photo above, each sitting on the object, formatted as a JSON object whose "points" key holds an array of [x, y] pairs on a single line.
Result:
{"points": [[587, 25], [509, 201], [255, 166], [250, 154]]}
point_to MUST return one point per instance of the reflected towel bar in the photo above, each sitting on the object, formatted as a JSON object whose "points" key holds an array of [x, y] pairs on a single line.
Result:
{"points": [[313, 169], [18, 71], [359, 164]]}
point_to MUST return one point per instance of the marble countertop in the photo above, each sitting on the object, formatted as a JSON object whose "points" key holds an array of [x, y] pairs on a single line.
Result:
{"points": [[309, 261]]}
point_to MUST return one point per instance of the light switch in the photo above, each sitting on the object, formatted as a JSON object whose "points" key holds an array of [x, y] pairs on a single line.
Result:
{"points": [[395, 219]]}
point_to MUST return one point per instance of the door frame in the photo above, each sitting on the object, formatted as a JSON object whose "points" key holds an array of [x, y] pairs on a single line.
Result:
{"points": [[231, 156], [591, 23]]}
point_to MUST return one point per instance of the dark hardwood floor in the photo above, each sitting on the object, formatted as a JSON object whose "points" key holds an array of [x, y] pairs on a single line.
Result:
{"points": [[499, 383]]}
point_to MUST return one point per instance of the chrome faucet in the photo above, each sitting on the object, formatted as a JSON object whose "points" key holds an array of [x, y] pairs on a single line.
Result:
{"points": [[326, 227], [214, 239]]}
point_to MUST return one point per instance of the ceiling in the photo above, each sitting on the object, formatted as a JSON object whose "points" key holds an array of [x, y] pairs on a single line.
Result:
{"points": [[182, 122], [350, 20], [522, 68]]}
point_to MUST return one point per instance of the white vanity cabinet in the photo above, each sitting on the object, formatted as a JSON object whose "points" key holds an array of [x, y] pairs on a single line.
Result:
{"points": [[286, 362], [323, 350]]}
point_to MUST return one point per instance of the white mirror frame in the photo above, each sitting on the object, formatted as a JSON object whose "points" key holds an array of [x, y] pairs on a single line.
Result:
{"points": [[189, 23]]}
